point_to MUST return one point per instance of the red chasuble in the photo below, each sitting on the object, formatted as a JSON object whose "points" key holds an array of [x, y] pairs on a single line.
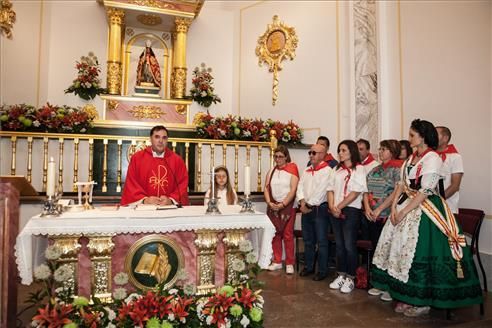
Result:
{"points": [[151, 176]]}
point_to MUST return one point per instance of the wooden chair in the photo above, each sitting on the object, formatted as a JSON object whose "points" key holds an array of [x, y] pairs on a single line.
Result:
{"points": [[470, 221]]}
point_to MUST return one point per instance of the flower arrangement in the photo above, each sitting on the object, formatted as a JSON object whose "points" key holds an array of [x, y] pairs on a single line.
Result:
{"points": [[237, 128], [203, 91], [238, 304], [87, 84], [49, 118]]}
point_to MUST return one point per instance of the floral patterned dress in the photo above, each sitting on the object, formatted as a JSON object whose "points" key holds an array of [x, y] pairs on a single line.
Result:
{"points": [[414, 260]]}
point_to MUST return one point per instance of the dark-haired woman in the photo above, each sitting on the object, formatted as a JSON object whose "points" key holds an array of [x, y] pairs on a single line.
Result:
{"points": [[406, 150], [421, 258], [280, 191], [381, 182], [345, 203]]}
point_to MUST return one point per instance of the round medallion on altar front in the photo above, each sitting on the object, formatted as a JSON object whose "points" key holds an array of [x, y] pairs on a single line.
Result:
{"points": [[154, 260]]}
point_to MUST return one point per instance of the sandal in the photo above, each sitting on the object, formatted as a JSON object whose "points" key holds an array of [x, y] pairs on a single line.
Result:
{"points": [[402, 307]]}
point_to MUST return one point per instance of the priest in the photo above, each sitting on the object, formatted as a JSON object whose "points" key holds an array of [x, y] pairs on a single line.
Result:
{"points": [[156, 175]]}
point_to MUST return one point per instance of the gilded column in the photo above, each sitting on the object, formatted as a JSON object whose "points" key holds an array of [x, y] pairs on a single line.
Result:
{"points": [[178, 75], [100, 249], [206, 244], [231, 241], [70, 248], [116, 19]]}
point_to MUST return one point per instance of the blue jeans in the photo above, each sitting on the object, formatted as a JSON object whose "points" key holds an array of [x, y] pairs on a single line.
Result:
{"points": [[315, 232], [345, 231]]}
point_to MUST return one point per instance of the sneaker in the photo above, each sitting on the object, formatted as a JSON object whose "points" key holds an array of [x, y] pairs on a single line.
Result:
{"points": [[402, 307], [348, 286], [375, 292], [275, 267], [417, 311], [289, 269], [385, 296], [337, 283]]}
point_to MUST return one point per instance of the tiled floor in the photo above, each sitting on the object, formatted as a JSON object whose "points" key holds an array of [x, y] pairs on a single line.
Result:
{"points": [[292, 301]]}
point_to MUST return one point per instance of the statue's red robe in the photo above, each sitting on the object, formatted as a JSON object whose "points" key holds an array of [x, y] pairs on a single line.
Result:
{"points": [[152, 176]]}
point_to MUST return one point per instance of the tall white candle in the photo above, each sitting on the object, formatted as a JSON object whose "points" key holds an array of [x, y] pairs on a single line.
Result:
{"points": [[51, 178], [212, 181], [247, 180]]}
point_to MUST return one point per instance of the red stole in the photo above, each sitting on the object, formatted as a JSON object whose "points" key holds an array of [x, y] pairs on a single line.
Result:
{"points": [[329, 157], [313, 169], [369, 159], [450, 149], [151, 176], [397, 163], [290, 168]]}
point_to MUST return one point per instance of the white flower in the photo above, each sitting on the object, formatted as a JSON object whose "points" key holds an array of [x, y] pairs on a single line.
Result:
{"points": [[42, 272], [183, 320], [170, 317], [209, 320], [63, 273], [121, 278], [245, 246], [52, 252], [189, 289], [203, 93], [111, 313], [110, 325], [36, 123], [133, 296], [251, 258], [238, 265], [181, 274], [83, 130], [173, 291], [244, 321], [34, 323], [228, 323], [119, 293], [243, 277], [59, 290]]}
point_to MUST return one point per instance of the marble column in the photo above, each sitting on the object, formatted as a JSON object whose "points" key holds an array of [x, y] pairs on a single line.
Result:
{"points": [[366, 59]]}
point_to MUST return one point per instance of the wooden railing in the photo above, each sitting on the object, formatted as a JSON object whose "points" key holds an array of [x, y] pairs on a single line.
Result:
{"points": [[104, 158]]}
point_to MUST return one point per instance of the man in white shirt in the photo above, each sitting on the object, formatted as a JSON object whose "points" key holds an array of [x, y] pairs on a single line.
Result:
{"points": [[451, 170], [311, 195]]}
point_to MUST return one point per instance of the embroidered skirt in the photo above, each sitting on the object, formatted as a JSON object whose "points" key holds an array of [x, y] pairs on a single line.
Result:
{"points": [[431, 278]]}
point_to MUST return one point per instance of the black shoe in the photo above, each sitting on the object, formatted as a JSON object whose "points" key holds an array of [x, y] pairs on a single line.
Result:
{"points": [[305, 272], [320, 276]]}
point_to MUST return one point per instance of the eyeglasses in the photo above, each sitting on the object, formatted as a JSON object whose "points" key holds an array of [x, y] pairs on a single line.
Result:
{"points": [[312, 152], [278, 156]]}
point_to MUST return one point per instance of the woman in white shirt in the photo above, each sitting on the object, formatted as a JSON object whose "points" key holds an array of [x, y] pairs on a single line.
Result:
{"points": [[345, 203], [280, 191], [223, 188]]}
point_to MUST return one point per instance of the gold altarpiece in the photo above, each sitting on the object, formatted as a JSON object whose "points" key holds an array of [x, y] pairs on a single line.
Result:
{"points": [[163, 24]]}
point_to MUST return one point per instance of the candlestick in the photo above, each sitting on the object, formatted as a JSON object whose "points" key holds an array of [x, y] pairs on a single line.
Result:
{"points": [[247, 180], [212, 191], [51, 178]]}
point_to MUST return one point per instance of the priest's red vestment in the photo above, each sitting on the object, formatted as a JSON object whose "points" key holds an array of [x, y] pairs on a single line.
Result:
{"points": [[153, 176]]}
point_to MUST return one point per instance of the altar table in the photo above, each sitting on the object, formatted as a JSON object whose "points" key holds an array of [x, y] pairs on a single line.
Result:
{"points": [[114, 223]]}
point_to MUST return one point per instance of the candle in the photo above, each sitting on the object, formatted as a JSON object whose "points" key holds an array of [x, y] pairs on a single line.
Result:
{"points": [[247, 180], [79, 190], [51, 178], [90, 191], [212, 193]]}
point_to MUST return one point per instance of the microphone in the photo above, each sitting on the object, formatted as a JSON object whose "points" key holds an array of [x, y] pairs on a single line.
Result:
{"points": [[178, 202]]}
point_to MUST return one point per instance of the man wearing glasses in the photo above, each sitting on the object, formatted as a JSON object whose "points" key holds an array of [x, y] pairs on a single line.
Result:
{"points": [[156, 175], [311, 194]]}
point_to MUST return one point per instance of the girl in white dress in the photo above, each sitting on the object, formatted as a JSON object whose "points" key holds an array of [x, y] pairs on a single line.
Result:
{"points": [[223, 189]]}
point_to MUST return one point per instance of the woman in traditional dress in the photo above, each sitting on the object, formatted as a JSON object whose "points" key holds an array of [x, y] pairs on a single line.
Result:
{"points": [[381, 183], [345, 202], [421, 258], [280, 191]]}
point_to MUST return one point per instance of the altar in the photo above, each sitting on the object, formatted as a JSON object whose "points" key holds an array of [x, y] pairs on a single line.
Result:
{"points": [[95, 242]]}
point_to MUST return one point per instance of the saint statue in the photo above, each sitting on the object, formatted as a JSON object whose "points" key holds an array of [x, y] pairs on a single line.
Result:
{"points": [[148, 70]]}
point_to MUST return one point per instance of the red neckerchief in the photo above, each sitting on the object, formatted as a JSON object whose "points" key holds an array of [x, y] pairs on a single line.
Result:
{"points": [[321, 165], [397, 163], [347, 178], [289, 168], [369, 159], [329, 157], [419, 167], [450, 149]]}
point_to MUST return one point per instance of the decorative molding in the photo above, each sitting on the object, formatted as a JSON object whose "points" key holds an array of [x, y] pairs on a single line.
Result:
{"points": [[7, 18], [149, 19], [278, 43], [147, 111]]}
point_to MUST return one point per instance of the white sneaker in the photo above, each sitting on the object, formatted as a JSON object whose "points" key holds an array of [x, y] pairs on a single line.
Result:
{"points": [[375, 292], [417, 311], [337, 283], [348, 286], [275, 267], [289, 269], [385, 296]]}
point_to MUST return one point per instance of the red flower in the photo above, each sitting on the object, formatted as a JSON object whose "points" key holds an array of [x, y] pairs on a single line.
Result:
{"points": [[247, 297], [54, 318]]}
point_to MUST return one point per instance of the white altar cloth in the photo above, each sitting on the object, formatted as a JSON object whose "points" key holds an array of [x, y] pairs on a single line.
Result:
{"points": [[127, 220]]}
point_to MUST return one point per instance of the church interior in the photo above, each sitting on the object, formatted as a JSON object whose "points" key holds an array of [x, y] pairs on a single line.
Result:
{"points": [[233, 83]]}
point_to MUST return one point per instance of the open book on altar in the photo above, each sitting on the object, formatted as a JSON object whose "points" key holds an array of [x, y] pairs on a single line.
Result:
{"points": [[148, 207]]}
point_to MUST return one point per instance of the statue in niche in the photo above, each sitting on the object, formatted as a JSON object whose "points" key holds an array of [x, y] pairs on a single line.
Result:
{"points": [[148, 73]]}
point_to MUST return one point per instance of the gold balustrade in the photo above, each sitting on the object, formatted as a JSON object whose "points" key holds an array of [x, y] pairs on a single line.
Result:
{"points": [[79, 151]]}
